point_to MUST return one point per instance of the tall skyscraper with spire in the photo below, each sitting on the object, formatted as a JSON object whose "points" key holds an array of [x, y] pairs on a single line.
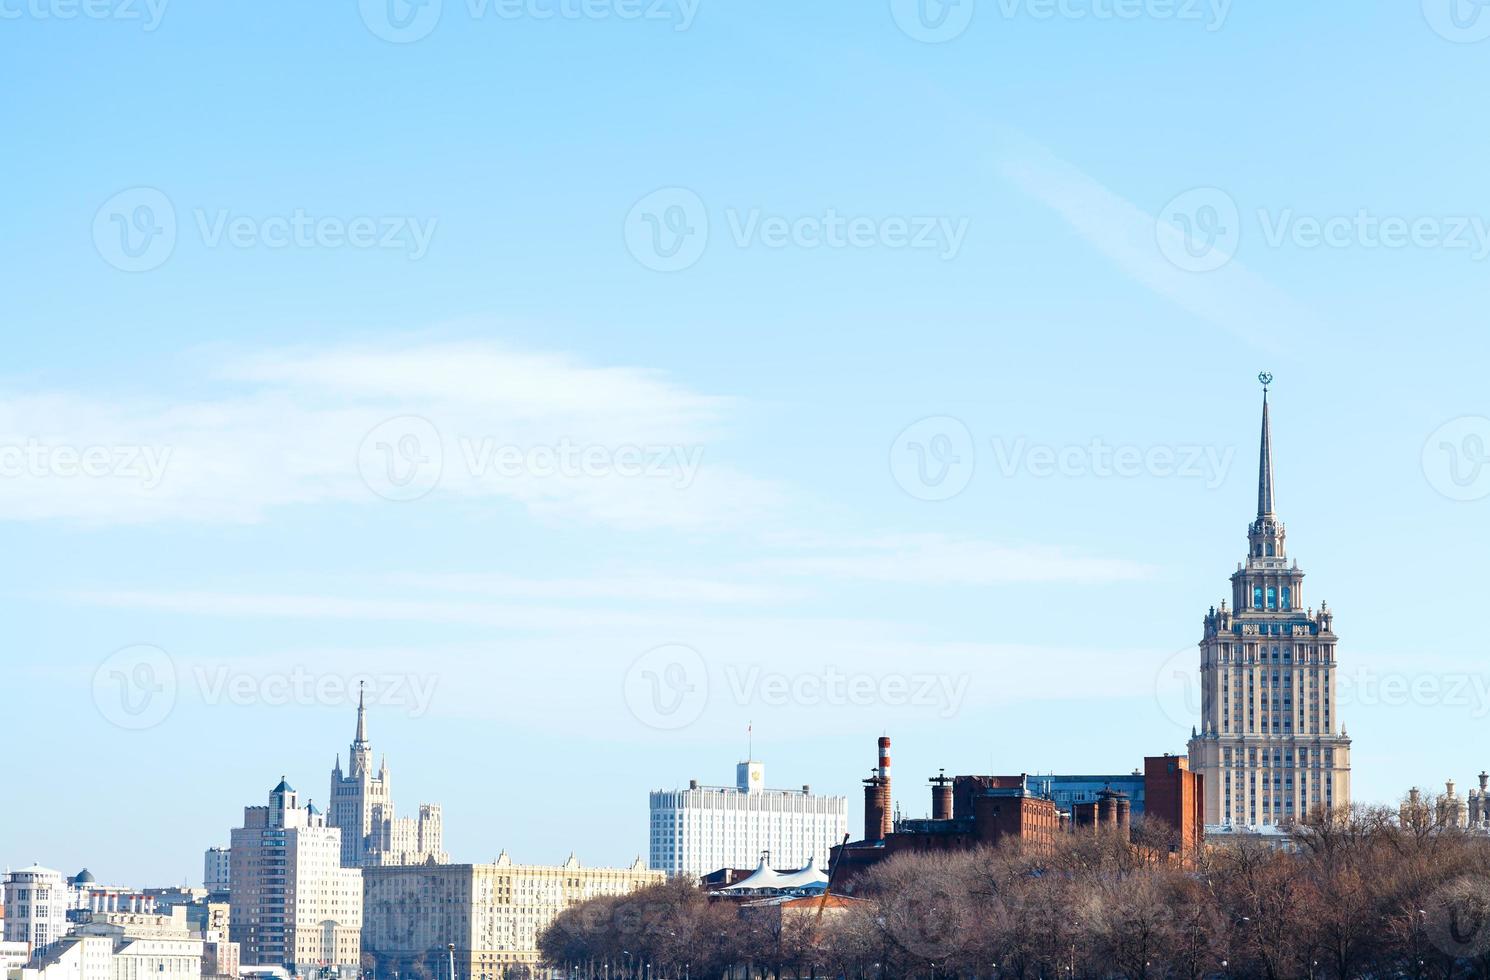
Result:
{"points": [[362, 806], [1270, 747]]}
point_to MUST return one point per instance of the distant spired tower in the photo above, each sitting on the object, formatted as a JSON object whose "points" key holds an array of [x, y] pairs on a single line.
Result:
{"points": [[1271, 747], [362, 806]]}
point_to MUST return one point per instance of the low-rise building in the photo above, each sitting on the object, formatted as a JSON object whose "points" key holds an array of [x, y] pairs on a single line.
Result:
{"points": [[492, 913]]}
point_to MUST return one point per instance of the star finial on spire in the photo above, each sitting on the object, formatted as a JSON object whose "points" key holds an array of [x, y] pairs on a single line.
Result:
{"points": [[1265, 455]]}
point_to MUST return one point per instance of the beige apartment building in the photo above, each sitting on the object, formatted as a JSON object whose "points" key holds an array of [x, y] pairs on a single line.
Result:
{"points": [[493, 913], [291, 903]]}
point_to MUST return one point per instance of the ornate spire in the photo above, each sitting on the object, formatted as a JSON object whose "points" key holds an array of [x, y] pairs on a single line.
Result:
{"points": [[1265, 456], [362, 713]]}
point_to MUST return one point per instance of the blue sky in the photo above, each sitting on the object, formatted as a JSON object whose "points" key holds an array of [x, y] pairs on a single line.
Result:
{"points": [[268, 269]]}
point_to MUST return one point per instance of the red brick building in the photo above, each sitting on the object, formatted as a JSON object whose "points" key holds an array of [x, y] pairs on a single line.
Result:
{"points": [[1175, 795]]}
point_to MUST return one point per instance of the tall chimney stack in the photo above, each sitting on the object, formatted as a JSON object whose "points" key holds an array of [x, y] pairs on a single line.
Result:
{"points": [[878, 818], [887, 820]]}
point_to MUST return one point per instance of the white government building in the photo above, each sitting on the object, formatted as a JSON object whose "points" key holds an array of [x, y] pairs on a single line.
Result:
{"points": [[702, 829]]}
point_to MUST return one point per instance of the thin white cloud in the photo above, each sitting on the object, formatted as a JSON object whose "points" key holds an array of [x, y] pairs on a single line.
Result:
{"points": [[305, 426], [1232, 297]]}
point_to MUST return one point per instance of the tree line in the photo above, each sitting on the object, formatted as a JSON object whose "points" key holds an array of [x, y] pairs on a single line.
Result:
{"points": [[1359, 893]]}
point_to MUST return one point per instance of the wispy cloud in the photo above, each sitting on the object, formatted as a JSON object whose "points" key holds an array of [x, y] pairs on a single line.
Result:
{"points": [[1232, 297], [617, 446]]}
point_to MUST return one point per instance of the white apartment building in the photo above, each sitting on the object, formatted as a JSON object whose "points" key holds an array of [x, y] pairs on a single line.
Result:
{"points": [[216, 869], [36, 903], [704, 828], [291, 903]]}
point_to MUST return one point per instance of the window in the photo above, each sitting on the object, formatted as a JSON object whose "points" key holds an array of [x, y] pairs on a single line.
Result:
{"points": [[1287, 597], [1257, 597], [1272, 598]]}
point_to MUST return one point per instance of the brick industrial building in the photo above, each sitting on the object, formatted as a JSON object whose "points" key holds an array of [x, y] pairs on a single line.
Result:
{"points": [[982, 811]]}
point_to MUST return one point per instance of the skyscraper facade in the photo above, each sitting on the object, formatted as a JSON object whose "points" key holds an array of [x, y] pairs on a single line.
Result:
{"points": [[291, 903], [1270, 747], [362, 807]]}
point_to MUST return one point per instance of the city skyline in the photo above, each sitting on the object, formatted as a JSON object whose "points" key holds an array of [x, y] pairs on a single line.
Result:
{"points": [[819, 371]]}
